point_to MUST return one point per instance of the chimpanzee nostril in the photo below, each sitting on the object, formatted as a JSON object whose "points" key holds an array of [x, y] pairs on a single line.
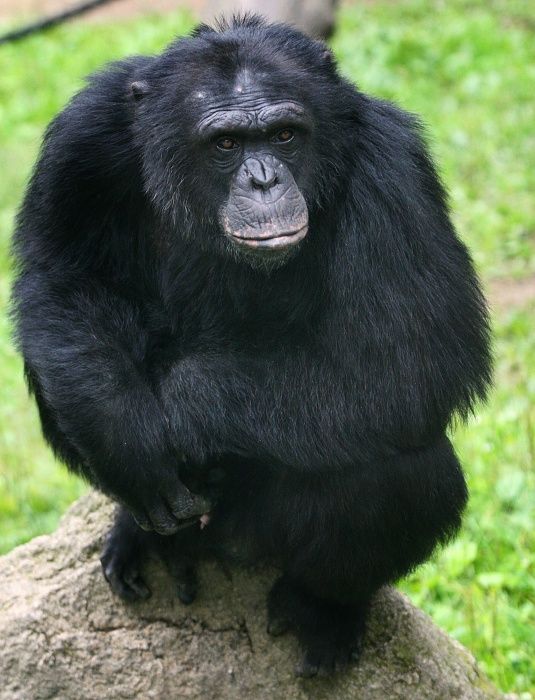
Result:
{"points": [[262, 175], [263, 185]]}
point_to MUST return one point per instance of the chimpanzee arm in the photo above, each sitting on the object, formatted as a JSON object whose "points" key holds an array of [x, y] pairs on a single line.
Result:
{"points": [[311, 409], [299, 410], [83, 348], [82, 340]]}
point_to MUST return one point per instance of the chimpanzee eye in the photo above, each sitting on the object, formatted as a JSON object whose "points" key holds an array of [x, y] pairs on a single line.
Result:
{"points": [[284, 135], [227, 144]]}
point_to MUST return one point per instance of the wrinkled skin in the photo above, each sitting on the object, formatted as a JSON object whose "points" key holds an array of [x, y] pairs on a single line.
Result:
{"points": [[265, 212], [265, 209], [245, 314]]}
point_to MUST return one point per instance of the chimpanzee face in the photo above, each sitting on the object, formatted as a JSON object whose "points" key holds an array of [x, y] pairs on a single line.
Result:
{"points": [[232, 146], [254, 143]]}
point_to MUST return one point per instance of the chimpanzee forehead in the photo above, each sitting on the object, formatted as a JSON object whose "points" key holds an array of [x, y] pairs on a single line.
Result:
{"points": [[259, 114], [250, 101]]}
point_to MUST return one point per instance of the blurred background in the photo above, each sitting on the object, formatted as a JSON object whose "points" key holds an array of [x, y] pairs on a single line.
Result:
{"points": [[468, 68]]}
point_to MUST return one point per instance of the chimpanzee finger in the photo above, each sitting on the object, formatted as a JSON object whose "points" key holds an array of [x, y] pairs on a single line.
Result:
{"points": [[136, 584], [181, 502], [162, 519], [142, 520], [184, 509]]}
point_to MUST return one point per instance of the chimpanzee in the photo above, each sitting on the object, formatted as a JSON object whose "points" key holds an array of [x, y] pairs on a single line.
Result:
{"points": [[245, 315]]}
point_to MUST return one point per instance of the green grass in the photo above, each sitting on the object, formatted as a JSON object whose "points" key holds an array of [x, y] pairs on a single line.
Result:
{"points": [[469, 69]]}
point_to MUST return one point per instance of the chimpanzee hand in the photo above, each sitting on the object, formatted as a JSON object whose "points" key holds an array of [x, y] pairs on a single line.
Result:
{"points": [[162, 503]]}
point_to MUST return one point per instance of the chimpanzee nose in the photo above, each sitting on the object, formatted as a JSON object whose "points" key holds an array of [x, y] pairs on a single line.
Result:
{"points": [[261, 173]]}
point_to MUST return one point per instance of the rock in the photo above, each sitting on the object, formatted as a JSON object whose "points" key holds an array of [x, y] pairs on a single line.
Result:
{"points": [[64, 635]]}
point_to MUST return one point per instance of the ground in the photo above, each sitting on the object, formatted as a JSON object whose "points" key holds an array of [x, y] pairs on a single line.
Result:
{"points": [[115, 10], [510, 293]]}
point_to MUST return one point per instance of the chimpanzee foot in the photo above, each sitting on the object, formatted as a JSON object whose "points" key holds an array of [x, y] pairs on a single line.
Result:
{"points": [[185, 576], [124, 578], [329, 633], [123, 556], [179, 554]]}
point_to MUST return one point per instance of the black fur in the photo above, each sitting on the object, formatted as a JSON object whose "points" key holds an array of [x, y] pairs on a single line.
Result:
{"points": [[309, 402]]}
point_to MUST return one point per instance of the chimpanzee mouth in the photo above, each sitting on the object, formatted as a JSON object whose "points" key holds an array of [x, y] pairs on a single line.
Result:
{"points": [[266, 239]]}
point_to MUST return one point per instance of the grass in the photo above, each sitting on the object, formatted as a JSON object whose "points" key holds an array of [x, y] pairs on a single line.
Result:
{"points": [[469, 69]]}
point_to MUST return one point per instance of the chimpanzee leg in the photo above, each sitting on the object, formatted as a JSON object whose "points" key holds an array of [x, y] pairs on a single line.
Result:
{"points": [[127, 547], [180, 554], [343, 535], [329, 632], [125, 551]]}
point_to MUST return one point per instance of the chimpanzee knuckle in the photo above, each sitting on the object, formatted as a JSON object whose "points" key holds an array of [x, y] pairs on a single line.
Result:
{"points": [[168, 529], [195, 505], [200, 505], [162, 521], [139, 514], [165, 527], [144, 523], [180, 501], [180, 512]]}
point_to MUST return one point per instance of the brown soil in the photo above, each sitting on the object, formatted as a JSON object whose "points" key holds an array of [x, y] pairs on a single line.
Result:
{"points": [[506, 292], [33, 9]]}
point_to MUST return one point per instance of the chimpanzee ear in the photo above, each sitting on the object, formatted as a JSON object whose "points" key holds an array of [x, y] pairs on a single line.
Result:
{"points": [[327, 55], [139, 89]]}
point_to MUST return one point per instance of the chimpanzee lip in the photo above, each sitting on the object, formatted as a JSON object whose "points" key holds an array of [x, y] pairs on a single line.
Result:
{"points": [[278, 240]]}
